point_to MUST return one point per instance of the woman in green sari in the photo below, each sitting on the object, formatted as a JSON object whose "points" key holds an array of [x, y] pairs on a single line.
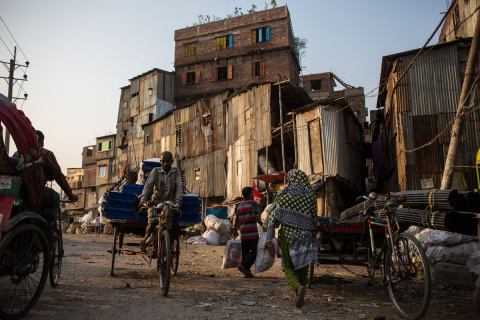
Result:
{"points": [[295, 210]]}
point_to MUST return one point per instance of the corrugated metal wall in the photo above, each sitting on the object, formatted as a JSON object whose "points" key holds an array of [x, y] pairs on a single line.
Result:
{"points": [[426, 101], [248, 129]]}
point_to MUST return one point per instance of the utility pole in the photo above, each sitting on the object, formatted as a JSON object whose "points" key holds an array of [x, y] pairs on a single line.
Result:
{"points": [[11, 82], [457, 129], [281, 130]]}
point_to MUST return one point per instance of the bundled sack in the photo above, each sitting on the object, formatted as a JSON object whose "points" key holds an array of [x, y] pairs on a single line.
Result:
{"points": [[232, 255], [212, 237], [265, 258], [220, 226], [430, 238]]}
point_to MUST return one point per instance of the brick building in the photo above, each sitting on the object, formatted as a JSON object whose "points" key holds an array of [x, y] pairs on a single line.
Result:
{"points": [[233, 53], [321, 87]]}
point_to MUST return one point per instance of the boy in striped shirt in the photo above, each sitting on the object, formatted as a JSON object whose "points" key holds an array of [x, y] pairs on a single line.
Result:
{"points": [[247, 218]]}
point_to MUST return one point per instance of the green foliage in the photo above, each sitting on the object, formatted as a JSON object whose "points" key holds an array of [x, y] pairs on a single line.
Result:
{"points": [[300, 45]]}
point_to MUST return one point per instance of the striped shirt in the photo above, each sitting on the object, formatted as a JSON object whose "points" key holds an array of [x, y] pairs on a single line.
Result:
{"points": [[248, 225]]}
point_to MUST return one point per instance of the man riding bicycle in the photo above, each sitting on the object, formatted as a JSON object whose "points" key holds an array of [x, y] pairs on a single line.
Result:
{"points": [[167, 181]]}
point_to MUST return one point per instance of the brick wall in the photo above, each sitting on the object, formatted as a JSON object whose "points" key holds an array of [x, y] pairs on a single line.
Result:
{"points": [[278, 53]]}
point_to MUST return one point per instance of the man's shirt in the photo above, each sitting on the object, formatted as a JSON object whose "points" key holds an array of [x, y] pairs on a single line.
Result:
{"points": [[248, 224], [168, 185]]}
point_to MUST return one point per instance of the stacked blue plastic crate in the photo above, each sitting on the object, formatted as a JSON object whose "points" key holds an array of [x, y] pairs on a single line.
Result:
{"points": [[119, 205], [191, 210]]}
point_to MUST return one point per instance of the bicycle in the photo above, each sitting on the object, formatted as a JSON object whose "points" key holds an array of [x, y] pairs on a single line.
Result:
{"points": [[400, 262]]}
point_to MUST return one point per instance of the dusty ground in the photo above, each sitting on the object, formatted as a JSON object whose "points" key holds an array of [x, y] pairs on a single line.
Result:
{"points": [[202, 291]]}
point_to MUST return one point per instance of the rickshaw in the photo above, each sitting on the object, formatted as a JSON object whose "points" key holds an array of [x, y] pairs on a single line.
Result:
{"points": [[30, 247]]}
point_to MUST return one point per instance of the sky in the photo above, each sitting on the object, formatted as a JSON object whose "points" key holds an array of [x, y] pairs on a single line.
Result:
{"points": [[81, 52]]}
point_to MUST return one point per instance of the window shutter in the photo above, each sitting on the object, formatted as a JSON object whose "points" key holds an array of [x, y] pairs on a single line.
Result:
{"points": [[229, 72], [184, 79], [197, 76], [109, 145], [263, 68], [254, 36], [260, 38], [214, 74], [99, 147], [253, 69], [230, 41], [218, 43], [267, 36]]}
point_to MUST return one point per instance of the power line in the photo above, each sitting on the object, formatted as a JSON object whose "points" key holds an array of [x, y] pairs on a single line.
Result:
{"points": [[13, 38]]}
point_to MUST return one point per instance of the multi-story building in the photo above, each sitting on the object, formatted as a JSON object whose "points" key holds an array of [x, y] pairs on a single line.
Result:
{"points": [[232, 53], [321, 87], [148, 97], [460, 20], [105, 162]]}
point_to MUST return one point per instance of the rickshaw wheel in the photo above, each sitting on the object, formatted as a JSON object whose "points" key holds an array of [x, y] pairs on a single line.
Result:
{"points": [[24, 266], [57, 255], [175, 254], [164, 260]]}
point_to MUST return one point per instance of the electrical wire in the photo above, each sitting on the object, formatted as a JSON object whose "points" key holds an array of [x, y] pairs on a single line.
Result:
{"points": [[13, 38]]}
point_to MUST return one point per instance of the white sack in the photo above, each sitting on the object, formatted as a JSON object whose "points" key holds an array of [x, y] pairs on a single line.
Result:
{"points": [[224, 239], [212, 237], [219, 225], [265, 258], [473, 263], [196, 240], [442, 253], [233, 254], [430, 238]]}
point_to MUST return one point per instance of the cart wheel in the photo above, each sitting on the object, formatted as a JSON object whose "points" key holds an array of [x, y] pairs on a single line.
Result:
{"points": [[164, 260], [311, 269], [24, 264], [175, 254], [57, 254], [114, 249], [407, 273]]}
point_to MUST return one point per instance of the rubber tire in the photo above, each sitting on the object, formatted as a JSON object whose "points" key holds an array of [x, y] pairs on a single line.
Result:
{"points": [[175, 254], [56, 264], [422, 305], [164, 261], [114, 249], [45, 251]]}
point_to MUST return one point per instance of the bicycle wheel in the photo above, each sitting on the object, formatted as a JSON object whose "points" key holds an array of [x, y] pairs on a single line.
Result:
{"points": [[24, 264], [164, 260], [375, 268], [114, 249], [175, 254], [57, 255], [407, 273]]}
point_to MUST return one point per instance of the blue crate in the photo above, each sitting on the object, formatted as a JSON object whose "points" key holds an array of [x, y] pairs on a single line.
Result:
{"points": [[191, 199], [191, 208], [119, 206], [118, 214], [115, 196], [133, 189], [152, 164]]}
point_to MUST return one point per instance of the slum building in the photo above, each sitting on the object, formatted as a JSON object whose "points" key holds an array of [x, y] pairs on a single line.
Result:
{"points": [[460, 20], [417, 105], [195, 136], [321, 87], [330, 144], [148, 97], [234, 52]]}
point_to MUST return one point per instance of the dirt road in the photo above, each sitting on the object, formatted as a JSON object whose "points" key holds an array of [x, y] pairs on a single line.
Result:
{"points": [[202, 291]]}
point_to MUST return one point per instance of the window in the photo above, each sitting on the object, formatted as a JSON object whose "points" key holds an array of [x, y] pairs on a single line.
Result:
{"points": [[102, 171], [150, 117], [224, 42], [104, 146], [456, 17], [259, 68], [197, 173], [222, 73], [135, 94], [150, 91], [261, 35], [89, 152], [178, 133], [191, 49], [148, 139], [316, 84], [125, 104], [93, 189], [191, 77]]}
